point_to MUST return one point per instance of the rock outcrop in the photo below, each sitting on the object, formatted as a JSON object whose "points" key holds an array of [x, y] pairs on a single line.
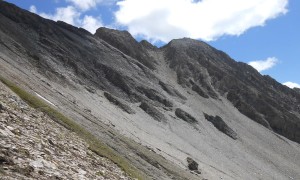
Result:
{"points": [[185, 116], [152, 111], [123, 41], [192, 165], [219, 123], [118, 103]]}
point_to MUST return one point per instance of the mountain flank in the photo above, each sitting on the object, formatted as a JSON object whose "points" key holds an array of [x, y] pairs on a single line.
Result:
{"points": [[165, 110]]}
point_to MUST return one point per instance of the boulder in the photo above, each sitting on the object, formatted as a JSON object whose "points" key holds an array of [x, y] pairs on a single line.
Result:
{"points": [[185, 116], [192, 165], [219, 123], [118, 103], [152, 111]]}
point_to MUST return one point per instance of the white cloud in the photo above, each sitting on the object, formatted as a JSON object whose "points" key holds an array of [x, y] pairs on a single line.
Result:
{"points": [[67, 14], [91, 23], [32, 9], [85, 4], [207, 19], [262, 65], [292, 85], [73, 16]]}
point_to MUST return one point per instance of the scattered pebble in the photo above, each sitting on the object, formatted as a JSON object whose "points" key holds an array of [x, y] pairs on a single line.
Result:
{"points": [[32, 146]]}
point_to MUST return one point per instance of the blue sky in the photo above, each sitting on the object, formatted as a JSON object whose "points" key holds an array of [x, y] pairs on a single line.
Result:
{"points": [[263, 33]]}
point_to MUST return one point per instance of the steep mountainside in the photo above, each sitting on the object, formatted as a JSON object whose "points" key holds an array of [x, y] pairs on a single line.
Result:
{"points": [[261, 98], [157, 107]]}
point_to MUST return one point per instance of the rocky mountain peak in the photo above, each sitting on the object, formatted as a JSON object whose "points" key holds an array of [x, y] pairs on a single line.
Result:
{"points": [[123, 41], [148, 45], [187, 43], [118, 35]]}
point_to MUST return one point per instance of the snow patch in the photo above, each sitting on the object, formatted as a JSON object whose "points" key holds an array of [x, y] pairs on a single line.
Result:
{"points": [[44, 99]]}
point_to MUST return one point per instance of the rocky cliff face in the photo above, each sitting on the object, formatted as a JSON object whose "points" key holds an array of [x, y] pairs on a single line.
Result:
{"points": [[206, 71], [185, 99]]}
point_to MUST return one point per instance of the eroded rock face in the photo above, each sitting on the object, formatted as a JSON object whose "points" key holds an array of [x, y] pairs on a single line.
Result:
{"points": [[155, 96], [192, 165], [152, 111], [118, 103], [210, 72], [123, 41], [219, 123], [1, 107], [185, 116], [199, 91], [171, 90]]}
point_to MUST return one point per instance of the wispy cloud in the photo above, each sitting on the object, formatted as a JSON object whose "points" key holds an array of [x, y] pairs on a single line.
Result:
{"points": [[33, 9], [262, 65], [73, 15], [91, 23], [206, 19], [86, 4], [292, 85]]}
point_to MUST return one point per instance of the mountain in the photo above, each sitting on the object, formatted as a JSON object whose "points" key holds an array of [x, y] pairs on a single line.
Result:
{"points": [[167, 110]]}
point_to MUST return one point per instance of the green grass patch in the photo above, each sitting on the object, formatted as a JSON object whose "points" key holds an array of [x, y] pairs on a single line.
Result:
{"points": [[94, 144], [99, 173]]}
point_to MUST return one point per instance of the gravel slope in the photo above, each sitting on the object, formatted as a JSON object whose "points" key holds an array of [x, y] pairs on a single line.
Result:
{"points": [[33, 146]]}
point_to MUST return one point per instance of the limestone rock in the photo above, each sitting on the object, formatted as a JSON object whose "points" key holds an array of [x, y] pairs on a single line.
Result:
{"points": [[152, 111], [192, 165], [185, 116], [219, 123]]}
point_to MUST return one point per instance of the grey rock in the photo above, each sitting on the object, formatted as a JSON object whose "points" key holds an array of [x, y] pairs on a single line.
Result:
{"points": [[171, 90], [148, 45], [123, 41], [198, 90], [1, 107], [152, 111], [192, 165], [5, 160], [155, 96], [219, 123], [118, 103], [185, 116]]}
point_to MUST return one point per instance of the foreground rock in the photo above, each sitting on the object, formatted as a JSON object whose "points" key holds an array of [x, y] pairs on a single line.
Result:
{"points": [[32, 146], [192, 165]]}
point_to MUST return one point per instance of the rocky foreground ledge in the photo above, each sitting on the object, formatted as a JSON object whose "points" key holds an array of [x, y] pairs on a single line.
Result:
{"points": [[33, 146]]}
